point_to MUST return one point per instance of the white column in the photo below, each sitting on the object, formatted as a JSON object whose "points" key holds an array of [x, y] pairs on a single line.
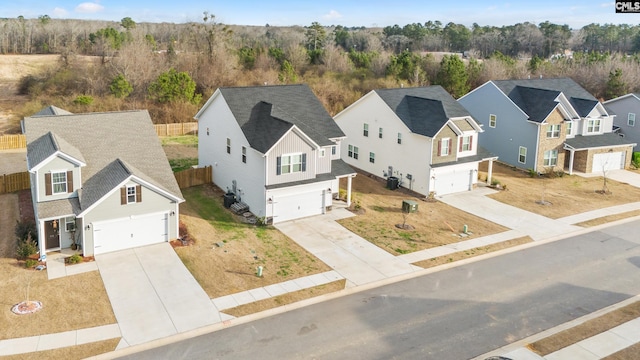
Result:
{"points": [[348, 191], [571, 155], [489, 171]]}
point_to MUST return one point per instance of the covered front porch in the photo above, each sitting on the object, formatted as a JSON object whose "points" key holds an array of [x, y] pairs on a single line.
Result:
{"points": [[59, 233]]}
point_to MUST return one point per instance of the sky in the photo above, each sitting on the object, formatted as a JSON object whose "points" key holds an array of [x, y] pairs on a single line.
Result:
{"points": [[369, 13]]}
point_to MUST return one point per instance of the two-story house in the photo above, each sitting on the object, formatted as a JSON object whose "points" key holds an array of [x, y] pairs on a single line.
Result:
{"points": [[547, 125], [625, 108], [275, 147], [421, 136], [100, 181]]}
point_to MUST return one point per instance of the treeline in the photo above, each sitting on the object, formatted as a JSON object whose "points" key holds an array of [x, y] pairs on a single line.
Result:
{"points": [[169, 68]]}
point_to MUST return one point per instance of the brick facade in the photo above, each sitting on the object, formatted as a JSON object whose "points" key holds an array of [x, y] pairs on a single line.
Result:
{"points": [[545, 143]]}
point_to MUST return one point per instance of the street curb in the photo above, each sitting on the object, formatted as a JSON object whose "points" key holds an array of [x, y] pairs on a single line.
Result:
{"points": [[372, 285]]}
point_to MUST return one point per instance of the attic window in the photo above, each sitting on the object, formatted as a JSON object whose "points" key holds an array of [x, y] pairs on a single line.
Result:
{"points": [[59, 182], [130, 194]]}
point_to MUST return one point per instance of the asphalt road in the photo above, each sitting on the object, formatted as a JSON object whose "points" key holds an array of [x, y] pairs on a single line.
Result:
{"points": [[456, 314]]}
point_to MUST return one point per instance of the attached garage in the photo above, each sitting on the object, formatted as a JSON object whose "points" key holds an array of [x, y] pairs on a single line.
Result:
{"points": [[608, 161], [134, 231], [452, 181], [288, 207]]}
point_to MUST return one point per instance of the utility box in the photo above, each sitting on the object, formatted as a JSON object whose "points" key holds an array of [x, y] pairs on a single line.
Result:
{"points": [[409, 206], [392, 183]]}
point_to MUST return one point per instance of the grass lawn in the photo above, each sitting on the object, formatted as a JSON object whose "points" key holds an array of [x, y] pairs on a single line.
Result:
{"points": [[180, 140], [69, 303], [435, 223], [182, 164], [566, 195], [227, 251]]}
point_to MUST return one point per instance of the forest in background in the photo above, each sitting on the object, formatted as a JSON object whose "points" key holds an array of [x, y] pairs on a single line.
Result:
{"points": [[171, 68]]}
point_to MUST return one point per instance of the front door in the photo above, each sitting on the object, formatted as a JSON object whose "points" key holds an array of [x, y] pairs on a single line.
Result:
{"points": [[51, 233]]}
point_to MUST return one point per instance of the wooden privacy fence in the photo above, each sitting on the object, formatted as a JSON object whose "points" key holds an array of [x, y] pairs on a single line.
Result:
{"points": [[190, 128], [18, 141], [193, 177], [14, 182]]}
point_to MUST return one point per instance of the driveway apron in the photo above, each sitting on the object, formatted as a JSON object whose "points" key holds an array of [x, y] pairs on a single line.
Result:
{"points": [[152, 294], [353, 257]]}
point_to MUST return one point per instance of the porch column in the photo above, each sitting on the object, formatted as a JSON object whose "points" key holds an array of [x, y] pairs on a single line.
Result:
{"points": [[348, 191], [489, 171], [571, 155]]}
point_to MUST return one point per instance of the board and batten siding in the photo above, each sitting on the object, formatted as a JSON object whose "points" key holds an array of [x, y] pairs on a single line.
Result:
{"points": [[291, 143], [324, 162]]}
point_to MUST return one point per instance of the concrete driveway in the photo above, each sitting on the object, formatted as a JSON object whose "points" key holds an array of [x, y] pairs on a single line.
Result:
{"points": [[625, 176], [353, 257], [153, 295]]}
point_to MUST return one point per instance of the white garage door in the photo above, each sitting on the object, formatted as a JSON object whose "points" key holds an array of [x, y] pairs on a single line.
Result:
{"points": [[297, 206], [130, 232], [452, 181], [608, 161]]}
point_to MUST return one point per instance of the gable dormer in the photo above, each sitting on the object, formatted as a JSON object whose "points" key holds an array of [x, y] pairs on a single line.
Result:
{"points": [[55, 167]]}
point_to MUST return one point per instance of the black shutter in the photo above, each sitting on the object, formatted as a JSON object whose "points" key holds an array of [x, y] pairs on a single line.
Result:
{"points": [[278, 163], [304, 162]]}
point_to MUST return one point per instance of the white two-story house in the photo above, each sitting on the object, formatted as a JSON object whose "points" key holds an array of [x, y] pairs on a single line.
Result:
{"points": [[421, 136], [275, 147]]}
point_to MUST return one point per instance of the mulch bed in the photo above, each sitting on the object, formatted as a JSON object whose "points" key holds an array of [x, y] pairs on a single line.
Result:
{"points": [[26, 206], [84, 260]]}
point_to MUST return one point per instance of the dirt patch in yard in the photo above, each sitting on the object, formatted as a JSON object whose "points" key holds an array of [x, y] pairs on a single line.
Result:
{"points": [[610, 218], [70, 353], [227, 251], [625, 354], [9, 215], [453, 257], [564, 195], [435, 223], [586, 330]]}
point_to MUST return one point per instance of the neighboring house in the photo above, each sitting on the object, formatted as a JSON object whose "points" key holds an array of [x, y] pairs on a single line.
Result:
{"points": [[100, 180], [421, 135], [275, 147], [547, 125], [626, 108]]}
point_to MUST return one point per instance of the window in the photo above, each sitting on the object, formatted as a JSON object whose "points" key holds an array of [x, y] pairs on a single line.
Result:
{"points": [[59, 182], [399, 138], [465, 143], [228, 146], [631, 119], [350, 153], [522, 155], [372, 157], [355, 152], [365, 130], [291, 163], [492, 120], [131, 194], [322, 152], [333, 150], [69, 224], [380, 133], [443, 147], [551, 158], [569, 127], [244, 154], [593, 126], [553, 131]]}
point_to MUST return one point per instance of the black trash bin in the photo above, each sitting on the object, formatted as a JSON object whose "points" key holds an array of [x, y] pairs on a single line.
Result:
{"points": [[392, 183], [229, 199]]}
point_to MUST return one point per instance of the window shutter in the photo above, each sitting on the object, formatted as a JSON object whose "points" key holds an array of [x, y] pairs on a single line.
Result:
{"points": [[278, 163], [471, 142], [47, 184], [304, 162], [138, 193], [69, 181], [461, 141], [439, 147], [123, 195]]}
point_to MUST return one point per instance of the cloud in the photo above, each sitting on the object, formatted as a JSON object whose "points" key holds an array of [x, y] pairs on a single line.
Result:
{"points": [[89, 8], [332, 15], [59, 12]]}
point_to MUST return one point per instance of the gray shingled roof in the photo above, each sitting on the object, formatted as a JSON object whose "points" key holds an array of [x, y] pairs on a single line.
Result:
{"points": [[265, 113], [425, 110], [593, 141], [52, 110], [47, 145], [537, 103], [114, 145], [581, 100], [56, 208]]}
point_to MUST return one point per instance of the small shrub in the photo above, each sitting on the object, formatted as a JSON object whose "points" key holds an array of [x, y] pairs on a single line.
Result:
{"points": [[30, 263], [26, 248], [495, 182], [75, 259], [532, 173], [83, 100], [560, 173], [24, 229], [635, 160]]}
